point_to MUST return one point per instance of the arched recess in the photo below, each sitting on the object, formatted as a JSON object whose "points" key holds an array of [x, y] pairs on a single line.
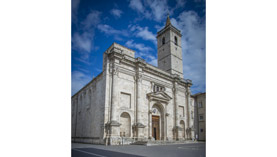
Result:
{"points": [[158, 126], [182, 125], [163, 41], [125, 127], [175, 40]]}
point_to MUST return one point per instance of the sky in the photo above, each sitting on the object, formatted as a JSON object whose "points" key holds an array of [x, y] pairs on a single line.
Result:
{"points": [[95, 25]]}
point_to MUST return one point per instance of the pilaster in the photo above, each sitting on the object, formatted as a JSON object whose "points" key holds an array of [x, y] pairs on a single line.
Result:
{"points": [[187, 125], [176, 116], [114, 92], [139, 126]]}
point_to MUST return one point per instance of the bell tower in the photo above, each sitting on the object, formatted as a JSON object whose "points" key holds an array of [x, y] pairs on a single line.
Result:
{"points": [[170, 50]]}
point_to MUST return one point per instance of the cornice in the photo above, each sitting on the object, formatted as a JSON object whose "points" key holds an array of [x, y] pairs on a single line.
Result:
{"points": [[139, 62], [171, 27]]}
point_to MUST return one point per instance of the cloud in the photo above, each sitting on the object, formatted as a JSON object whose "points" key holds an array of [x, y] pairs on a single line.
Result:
{"points": [[159, 27], [143, 52], [140, 47], [179, 4], [143, 33], [108, 30], [74, 10], [137, 5], [82, 42], [78, 80], [159, 8], [155, 9], [82, 39], [152, 60], [116, 13], [92, 19], [150, 9], [146, 35], [194, 49], [149, 58]]}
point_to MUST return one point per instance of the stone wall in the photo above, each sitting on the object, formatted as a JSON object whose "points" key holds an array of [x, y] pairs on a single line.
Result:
{"points": [[88, 112], [200, 110]]}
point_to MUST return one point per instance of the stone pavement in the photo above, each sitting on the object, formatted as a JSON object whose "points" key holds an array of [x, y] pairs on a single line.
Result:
{"points": [[197, 149]]}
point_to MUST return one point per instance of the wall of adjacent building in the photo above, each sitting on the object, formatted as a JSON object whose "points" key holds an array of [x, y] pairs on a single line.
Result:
{"points": [[201, 111], [88, 112]]}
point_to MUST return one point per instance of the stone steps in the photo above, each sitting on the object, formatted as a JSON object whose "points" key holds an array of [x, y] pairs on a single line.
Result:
{"points": [[152, 143], [140, 143]]}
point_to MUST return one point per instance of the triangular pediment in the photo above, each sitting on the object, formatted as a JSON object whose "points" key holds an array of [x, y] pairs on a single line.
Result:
{"points": [[162, 96]]}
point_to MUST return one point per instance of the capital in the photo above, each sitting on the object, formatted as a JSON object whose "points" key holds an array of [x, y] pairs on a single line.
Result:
{"points": [[115, 70]]}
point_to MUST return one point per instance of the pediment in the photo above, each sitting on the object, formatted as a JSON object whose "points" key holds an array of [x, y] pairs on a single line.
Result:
{"points": [[160, 96]]}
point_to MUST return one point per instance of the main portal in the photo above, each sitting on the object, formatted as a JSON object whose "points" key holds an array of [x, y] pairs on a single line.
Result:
{"points": [[156, 127]]}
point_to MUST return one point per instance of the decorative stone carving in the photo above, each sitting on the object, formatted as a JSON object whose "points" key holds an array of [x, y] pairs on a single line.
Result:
{"points": [[139, 77], [160, 97], [115, 71], [110, 68], [173, 89], [167, 114]]}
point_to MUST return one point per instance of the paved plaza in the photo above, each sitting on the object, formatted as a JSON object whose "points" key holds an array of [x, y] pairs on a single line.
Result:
{"points": [[178, 150]]}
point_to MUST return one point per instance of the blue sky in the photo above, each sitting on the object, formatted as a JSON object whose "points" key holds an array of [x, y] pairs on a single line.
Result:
{"points": [[134, 24]]}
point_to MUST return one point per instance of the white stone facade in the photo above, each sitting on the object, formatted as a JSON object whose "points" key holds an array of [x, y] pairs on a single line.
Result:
{"points": [[132, 100]]}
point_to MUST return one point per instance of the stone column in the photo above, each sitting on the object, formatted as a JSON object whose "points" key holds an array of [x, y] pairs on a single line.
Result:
{"points": [[165, 122], [176, 128], [188, 133], [114, 93], [138, 80], [114, 124], [150, 125], [139, 126]]}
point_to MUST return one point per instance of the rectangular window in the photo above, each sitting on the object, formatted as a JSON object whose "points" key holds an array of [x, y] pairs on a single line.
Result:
{"points": [[158, 88], [200, 105], [201, 117]]}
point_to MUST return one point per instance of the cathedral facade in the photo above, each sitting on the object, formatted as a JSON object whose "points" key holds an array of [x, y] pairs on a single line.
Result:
{"points": [[131, 100]]}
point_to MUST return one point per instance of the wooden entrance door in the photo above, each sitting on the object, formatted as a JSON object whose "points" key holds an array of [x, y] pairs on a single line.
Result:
{"points": [[156, 127]]}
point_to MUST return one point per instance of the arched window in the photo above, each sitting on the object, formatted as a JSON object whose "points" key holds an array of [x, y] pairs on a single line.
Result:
{"points": [[176, 40], [163, 40]]}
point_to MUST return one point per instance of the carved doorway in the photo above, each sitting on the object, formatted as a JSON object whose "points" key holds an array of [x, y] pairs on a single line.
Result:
{"points": [[156, 127]]}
